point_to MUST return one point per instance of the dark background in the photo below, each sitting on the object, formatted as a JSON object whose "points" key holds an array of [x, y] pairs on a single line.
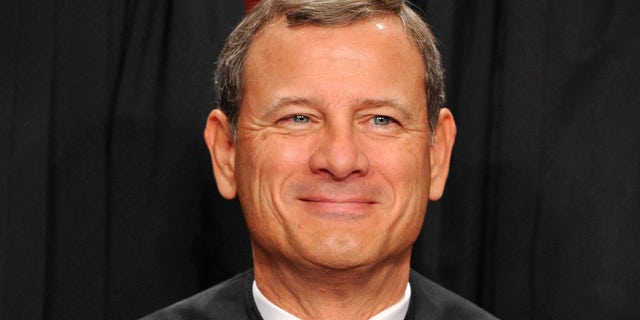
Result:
{"points": [[108, 208]]}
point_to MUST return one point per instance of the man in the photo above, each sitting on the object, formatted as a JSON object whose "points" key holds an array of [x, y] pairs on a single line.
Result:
{"points": [[331, 132]]}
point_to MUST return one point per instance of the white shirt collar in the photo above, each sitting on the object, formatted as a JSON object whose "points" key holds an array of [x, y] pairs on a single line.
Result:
{"points": [[269, 311]]}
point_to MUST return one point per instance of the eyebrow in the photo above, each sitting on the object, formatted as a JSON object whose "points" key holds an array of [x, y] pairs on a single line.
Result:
{"points": [[364, 103], [393, 103], [286, 101], [283, 101]]}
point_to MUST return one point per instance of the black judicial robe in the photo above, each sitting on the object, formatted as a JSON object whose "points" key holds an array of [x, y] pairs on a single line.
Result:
{"points": [[233, 300]]}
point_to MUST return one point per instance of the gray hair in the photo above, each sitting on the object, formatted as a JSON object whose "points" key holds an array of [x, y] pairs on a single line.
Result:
{"points": [[230, 65]]}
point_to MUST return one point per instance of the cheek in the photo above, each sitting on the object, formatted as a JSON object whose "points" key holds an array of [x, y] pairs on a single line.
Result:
{"points": [[407, 171], [266, 163], [264, 169], [406, 166], [283, 156]]}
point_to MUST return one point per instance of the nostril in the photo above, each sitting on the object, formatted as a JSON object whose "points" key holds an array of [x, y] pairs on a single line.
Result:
{"points": [[339, 158]]}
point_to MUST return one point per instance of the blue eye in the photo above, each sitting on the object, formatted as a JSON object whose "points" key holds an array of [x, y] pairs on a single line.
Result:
{"points": [[298, 118], [381, 120]]}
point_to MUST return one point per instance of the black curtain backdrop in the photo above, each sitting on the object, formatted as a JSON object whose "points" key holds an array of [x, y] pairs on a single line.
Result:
{"points": [[108, 208]]}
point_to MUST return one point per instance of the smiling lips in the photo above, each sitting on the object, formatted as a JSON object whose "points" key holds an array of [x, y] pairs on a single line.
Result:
{"points": [[339, 208], [338, 201]]}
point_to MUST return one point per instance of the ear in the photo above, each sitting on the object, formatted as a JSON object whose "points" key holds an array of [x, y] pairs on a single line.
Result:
{"points": [[219, 140], [444, 135]]}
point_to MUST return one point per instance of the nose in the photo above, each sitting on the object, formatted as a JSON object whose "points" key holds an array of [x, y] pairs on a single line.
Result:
{"points": [[339, 153]]}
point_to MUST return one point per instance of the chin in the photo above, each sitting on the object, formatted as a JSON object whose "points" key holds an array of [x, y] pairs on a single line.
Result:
{"points": [[342, 254], [342, 263]]}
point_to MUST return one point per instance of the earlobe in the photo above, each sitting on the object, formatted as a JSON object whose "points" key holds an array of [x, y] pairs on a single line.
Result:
{"points": [[444, 136], [219, 140]]}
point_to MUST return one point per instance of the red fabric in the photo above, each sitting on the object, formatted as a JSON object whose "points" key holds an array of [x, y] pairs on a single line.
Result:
{"points": [[248, 4]]}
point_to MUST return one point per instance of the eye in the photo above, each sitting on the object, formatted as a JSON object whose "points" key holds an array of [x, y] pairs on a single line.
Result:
{"points": [[297, 121], [299, 118], [381, 120]]}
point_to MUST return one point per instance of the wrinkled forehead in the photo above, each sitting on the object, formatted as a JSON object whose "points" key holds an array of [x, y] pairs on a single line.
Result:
{"points": [[370, 60]]}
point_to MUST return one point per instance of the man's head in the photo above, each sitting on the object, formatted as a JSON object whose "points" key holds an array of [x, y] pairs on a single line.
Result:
{"points": [[333, 158], [229, 74]]}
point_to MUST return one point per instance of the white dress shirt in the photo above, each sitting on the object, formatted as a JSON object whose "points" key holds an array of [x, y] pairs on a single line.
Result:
{"points": [[269, 311]]}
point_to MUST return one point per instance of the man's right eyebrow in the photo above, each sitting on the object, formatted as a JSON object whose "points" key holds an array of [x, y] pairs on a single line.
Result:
{"points": [[287, 101]]}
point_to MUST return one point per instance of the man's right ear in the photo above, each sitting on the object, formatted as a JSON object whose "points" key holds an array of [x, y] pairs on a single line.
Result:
{"points": [[219, 139]]}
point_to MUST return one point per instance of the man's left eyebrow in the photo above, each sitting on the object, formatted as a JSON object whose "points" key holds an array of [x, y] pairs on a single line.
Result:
{"points": [[379, 103]]}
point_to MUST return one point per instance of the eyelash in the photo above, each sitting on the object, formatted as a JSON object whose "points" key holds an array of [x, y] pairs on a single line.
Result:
{"points": [[296, 120], [387, 120], [301, 119]]}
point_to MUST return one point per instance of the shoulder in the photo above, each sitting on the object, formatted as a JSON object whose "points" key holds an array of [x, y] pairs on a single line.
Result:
{"points": [[430, 299], [231, 299]]}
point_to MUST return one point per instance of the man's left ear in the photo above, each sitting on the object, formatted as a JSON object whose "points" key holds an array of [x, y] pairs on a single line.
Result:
{"points": [[443, 137]]}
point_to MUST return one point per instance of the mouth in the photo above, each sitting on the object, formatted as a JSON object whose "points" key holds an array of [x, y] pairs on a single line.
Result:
{"points": [[338, 208], [337, 200]]}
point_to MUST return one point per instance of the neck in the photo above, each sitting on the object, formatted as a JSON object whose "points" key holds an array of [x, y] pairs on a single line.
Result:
{"points": [[320, 292]]}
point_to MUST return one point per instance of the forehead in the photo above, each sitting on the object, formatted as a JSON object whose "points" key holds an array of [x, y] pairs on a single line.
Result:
{"points": [[371, 59]]}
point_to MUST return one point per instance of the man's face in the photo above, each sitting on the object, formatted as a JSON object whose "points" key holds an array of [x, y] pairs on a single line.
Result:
{"points": [[332, 159]]}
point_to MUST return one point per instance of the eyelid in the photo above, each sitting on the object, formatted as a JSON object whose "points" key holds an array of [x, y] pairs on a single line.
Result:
{"points": [[392, 120], [381, 120], [295, 117], [290, 119]]}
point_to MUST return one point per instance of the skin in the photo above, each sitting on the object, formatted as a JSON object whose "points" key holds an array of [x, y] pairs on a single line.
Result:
{"points": [[334, 164]]}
